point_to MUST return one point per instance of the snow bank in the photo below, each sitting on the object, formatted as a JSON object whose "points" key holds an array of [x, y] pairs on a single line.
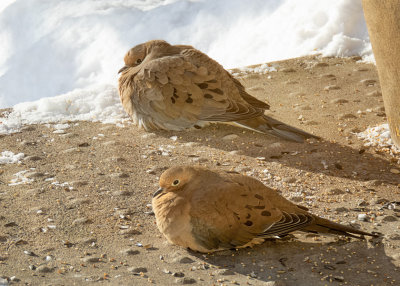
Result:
{"points": [[53, 47]]}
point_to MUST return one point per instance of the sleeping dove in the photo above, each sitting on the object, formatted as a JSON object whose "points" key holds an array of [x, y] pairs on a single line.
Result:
{"points": [[207, 211], [178, 87]]}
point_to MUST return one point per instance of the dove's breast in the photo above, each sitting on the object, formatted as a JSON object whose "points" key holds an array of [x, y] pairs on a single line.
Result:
{"points": [[173, 220]]}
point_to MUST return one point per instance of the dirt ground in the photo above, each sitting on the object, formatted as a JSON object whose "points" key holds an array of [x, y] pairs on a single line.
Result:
{"points": [[84, 217]]}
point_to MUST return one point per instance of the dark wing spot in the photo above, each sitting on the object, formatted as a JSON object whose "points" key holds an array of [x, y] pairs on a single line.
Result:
{"points": [[217, 90], [189, 100], [207, 95], [243, 195], [249, 207], [175, 91], [248, 216], [202, 85], [173, 100], [197, 126], [236, 216], [265, 213], [248, 223], [259, 207], [240, 184], [258, 197]]}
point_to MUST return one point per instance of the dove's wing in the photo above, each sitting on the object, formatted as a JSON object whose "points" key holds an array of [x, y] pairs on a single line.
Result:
{"points": [[232, 211], [238, 208]]}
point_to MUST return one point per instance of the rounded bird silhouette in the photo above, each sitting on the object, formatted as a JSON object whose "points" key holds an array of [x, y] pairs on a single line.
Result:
{"points": [[207, 211], [176, 87]]}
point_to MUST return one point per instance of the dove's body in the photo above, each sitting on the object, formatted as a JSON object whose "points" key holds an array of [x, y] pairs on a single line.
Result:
{"points": [[210, 210], [178, 87]]}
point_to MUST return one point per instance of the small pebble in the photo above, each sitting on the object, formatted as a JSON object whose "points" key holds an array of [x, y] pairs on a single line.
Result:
{"points": [[185, 280], [388, 218], [362, 203], [183, 260], [394, 171], [362, 217], [44, 269], [338, 278], [32, 158], [224, 272], [275, 283], [137, 270], [70, 150], [335, 191], [321, 64], [129, 232], [80, 221], [77, 184], [199, 160], [289, 180], [368, 82], [119, 175], [33, 175], [29, 253], [230, 137], [122, 193], [328, 75], [346, 116], [286, 70], [89, 240], [91, 259], [178, 274], [331, 87], [339, 101], [130, 251]]}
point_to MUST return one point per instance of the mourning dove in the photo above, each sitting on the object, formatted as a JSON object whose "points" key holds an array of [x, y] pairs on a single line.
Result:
{"points": [[178, 87], [207, 211]]}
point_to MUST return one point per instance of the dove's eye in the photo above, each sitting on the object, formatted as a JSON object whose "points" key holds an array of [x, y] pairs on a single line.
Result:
{"points": [[138, 61], [175, 183]]}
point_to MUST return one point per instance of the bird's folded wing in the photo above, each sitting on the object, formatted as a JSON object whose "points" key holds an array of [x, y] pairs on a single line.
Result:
{"points": [[288, 223], [175, 89], [230, 214]]}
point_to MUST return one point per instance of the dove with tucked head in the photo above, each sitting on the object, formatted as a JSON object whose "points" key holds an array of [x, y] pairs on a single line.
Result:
{"points": [[178, 87], [207, 210]]}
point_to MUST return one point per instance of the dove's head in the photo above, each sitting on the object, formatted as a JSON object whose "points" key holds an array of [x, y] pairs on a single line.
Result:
{"points": [[137, 55], [182, 178]]}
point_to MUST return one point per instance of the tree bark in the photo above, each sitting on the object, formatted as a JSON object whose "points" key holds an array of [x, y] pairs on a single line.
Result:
{"points": [[383, 22]]}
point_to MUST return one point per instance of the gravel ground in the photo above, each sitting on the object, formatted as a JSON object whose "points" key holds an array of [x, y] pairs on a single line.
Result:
{"points": [[75, 207]]}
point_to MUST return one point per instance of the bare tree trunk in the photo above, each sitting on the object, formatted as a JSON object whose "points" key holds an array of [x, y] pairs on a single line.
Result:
{"points": [[383, 22]]}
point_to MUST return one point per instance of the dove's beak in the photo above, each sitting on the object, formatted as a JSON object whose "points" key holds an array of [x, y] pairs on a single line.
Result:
{"points": [[123, 69], [159, 191]]}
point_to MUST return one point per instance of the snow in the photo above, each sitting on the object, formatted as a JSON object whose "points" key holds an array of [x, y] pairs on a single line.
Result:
{"points": [[97, 104], [8, 157], [20, 179], [379, 136], [55, 47]]}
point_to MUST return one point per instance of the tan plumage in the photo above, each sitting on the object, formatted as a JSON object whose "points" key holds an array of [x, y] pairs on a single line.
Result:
{"points": [[207, 210], [178, 87]]}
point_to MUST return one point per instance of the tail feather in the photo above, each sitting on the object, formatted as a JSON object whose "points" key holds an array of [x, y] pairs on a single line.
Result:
{"points": [[322, 225], [268, 125]]}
